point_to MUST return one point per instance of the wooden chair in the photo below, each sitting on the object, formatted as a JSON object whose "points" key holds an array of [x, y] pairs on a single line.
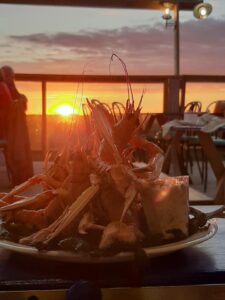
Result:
{"points": [[217, 107], [191, 146], [194, 106]]}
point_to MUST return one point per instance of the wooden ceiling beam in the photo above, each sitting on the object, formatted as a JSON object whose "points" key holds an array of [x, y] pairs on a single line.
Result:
{"points": [[133, 4]]}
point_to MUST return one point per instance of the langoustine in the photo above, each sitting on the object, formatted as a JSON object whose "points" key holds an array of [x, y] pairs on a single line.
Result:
{"points": [[98, 190]]}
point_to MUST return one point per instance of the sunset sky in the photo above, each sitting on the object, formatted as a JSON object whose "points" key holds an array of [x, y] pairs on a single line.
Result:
{"points": [[66, 40]]}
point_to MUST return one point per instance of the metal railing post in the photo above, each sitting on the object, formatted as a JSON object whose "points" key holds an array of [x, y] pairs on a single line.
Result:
{"points": [[43, 120]]}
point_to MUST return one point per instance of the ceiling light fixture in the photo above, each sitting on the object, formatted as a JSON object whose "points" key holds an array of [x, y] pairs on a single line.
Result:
{"points": [[202, 10], [167, 13]]}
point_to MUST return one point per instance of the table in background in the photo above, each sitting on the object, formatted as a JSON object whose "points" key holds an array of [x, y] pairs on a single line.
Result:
{"points": [[173, 157]]}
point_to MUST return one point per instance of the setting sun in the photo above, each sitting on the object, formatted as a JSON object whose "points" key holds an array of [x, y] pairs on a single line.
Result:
{"points": [[65, 110]]}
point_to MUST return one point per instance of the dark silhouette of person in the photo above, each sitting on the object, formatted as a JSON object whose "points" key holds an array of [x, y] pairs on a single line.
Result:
{"points": [[5, 104], [18, 144], [9, 79]]}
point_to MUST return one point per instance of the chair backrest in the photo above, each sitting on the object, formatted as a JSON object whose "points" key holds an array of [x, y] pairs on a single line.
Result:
{"points": [[194, 106], [216, 107]]}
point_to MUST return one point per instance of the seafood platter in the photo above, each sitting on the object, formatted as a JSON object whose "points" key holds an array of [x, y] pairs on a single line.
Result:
{"points": [[102, 198]]}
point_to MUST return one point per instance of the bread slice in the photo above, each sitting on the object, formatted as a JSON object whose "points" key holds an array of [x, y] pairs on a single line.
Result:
{"points": [[165, 205]]}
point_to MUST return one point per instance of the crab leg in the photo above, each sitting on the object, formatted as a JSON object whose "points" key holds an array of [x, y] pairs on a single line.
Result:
{"points": [[87, 223], [28, 201], [74, 210], [130, 196], [9, 200], [69, 215], [23, 187]]}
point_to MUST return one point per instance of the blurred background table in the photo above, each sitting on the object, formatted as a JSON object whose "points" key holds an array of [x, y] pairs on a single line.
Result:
{"points": [[174, 157]]}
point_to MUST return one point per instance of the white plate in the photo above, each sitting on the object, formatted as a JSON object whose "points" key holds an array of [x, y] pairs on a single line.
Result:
{"points": [[202, 235]]}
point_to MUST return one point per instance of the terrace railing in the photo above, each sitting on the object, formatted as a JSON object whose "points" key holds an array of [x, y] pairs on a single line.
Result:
{"points": [[174, 98]]}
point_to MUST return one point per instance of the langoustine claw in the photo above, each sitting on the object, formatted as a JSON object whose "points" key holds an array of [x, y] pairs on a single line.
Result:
{"points": [[120, 233]]}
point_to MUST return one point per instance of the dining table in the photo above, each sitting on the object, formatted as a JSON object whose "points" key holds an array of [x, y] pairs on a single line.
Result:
{"points": [[174, 158], [195, 272]]}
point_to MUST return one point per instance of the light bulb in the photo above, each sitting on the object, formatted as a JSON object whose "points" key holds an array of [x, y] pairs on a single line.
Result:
{"points": [[203, 11], [167, 11], [167, 14]]}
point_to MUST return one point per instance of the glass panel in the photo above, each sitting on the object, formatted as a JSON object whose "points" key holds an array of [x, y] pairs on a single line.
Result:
{"points": [[201, 45], [205, 92], [61, 94]]}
